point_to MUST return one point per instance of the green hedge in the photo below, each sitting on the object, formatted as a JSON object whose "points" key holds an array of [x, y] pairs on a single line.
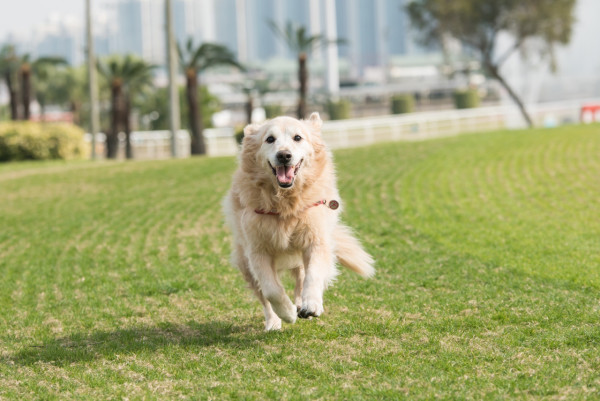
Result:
{"points": [[239, 135], [466, 99], [403, 104], [272, 110], [339, 110], [37, 141]]}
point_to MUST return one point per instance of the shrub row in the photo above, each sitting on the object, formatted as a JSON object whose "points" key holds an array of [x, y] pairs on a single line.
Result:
{"points": [[463, 99], [338, 110], [37, 141], [400, 104], [403, 104], [466, 99]]}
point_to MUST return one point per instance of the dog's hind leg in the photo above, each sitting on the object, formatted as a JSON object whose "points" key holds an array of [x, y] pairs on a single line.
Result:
{"points": [[272, 321]]}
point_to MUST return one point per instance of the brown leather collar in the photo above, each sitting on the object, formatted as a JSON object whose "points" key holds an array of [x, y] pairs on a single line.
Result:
{"points": [[333, 204]]}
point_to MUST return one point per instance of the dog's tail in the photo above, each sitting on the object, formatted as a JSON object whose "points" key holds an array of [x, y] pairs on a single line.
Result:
{"points": [[350, 253]]}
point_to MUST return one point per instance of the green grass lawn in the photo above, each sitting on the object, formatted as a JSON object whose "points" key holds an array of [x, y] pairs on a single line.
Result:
{"points": [[116, 281]]}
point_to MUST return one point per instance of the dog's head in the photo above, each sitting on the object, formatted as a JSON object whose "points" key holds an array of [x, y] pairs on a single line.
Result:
{"points": [[283, 147]]}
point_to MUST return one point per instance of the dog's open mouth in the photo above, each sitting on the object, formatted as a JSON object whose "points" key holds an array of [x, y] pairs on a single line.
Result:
{"points": [[286, 174]]}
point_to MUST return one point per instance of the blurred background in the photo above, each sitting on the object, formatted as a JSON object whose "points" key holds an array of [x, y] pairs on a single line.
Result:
{"points": [[247, 60]]}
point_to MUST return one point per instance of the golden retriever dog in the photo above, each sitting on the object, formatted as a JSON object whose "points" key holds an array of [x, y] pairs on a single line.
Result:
{"points": [[283, 208]]}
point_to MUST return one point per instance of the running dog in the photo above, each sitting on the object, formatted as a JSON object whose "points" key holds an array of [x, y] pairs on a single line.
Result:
{"points": [[283, 208]]}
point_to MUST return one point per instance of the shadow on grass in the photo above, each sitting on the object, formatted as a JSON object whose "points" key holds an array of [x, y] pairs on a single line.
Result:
{"points": [[89, 346]]}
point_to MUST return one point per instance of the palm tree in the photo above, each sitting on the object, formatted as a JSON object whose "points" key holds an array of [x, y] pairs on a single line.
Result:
{"points": [[72, 90], [126, 76], [251, 88], [62, 86], [153, 107], [300, 43], [194, 60], [44, 71], [25, 77], [9, 64]]}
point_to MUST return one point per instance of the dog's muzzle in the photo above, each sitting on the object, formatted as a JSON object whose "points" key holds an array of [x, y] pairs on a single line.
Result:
{"points": [[286, 173]]}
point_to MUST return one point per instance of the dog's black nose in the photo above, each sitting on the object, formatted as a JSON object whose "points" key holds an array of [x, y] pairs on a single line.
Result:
{"points": [[284, 156]]}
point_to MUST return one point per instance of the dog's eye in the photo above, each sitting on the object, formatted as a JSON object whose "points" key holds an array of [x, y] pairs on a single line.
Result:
{"points": [[297, 138], [271, 139]]}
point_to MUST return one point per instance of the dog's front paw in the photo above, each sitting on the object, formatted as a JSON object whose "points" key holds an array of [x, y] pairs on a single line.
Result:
{"points": [[273, 323], [310, 309], [285, 310]]}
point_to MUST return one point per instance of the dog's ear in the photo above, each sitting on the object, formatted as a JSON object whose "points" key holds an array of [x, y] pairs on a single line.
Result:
{"points": [[315, 121], [251, 129]]}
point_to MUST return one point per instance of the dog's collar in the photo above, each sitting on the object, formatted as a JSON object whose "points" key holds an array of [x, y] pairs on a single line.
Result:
{"points": [[333, 204]]}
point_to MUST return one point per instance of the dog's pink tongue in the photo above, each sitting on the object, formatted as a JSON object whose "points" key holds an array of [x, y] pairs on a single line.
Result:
{"points": [[285, 174]]}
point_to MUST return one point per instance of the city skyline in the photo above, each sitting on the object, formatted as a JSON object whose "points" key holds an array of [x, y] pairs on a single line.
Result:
{"points": [[58, 28], [373, 30]]}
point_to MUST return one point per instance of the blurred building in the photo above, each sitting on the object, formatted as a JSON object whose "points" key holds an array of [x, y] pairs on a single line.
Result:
{"points": [[226, 25], [577, 74], [60, 41], [375, 31], [379, 46], [138, 29], [56, 37]]}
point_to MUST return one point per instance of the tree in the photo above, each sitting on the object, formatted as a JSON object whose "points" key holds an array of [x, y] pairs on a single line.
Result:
{"points": [[127, 76], [251, 87], [140, 80], [25, 77], [194, 60], [9, 65], [63, 86], [300, 43], [4, 114], [477, 25], [42, 90], [43, 70], [153, 107], [68, 88]]}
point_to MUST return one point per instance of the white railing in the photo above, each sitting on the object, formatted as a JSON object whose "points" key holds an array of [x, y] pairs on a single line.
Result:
{"points": [[411, 127], [369, 130], [435, 124], [220, 141], [157, 144], [146, 144]]}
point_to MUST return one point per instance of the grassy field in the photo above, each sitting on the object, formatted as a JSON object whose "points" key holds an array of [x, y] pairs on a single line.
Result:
{"points": [[116, 282]]}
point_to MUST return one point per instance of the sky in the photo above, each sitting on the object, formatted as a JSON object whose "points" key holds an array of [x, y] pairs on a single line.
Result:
{"points": [[21, 16]]}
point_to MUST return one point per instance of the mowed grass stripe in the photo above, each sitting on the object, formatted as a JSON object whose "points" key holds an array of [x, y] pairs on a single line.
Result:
{"points": [[522, 206], [117, 282]]}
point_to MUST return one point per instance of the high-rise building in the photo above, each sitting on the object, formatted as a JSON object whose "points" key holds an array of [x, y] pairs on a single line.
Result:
{"points": [[204, 21], [139, 29], [59, 39], [396, 30], [131, 22], [226, 29], [374, 30], [261, 41], [183, 20]]}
